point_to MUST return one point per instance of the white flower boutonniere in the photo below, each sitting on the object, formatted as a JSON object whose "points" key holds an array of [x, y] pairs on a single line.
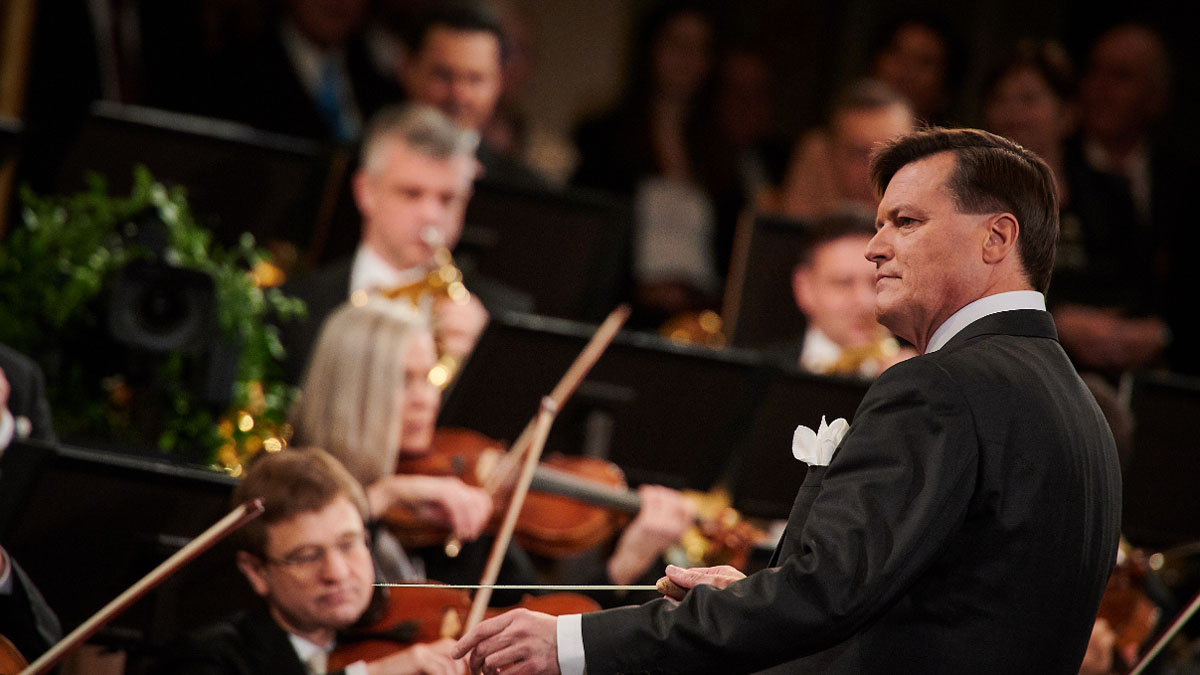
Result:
{"points": [[815, 448]]}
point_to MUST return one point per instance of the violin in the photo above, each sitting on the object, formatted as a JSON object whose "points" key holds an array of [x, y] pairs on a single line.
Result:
{"points": [[416, 615], [1130, 613], [11, 661], [549, 525], [575, 503]]}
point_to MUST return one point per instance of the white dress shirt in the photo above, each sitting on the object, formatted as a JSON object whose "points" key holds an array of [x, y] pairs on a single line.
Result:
{"points": [[315, 657]]}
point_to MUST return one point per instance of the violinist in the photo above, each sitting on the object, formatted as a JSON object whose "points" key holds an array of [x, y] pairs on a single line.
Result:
{"points": [[415, 177], [372, 361], [308, 557], [25, 618]]}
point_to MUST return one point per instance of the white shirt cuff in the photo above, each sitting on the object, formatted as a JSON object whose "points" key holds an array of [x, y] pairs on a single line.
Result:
{"points": [[7, 426], [569, 629], [356, 668]]}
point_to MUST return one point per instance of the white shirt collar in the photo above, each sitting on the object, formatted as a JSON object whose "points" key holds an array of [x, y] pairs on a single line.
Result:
{"points": [[972, 312], [307, 650], [818, 352], [369, 271]]}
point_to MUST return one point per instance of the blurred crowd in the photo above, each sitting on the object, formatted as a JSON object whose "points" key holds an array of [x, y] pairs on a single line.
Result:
{"points": [[695, 139]]}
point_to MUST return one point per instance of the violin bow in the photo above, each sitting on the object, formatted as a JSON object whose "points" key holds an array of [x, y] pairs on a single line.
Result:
{"points": [[541, 430], [570, 381], [222, 528], [531, 442], [567, 385], [1176, 625]]}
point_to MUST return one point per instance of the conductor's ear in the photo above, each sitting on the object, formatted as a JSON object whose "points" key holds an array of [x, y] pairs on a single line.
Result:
{"points": [[1002, 237]]}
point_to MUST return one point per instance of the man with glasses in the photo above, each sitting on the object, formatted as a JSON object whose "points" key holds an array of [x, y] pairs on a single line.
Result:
{"points": [[308, 557]]}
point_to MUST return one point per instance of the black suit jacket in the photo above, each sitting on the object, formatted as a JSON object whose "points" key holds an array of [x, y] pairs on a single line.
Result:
{"points": [[967, 524], [258, 85], [248, 643], [25, 618], [27, 392]]}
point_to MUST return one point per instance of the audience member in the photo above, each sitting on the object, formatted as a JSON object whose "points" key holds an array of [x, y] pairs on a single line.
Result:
{"points": [[648, 147], [1103, 297], [309, 75], [417, 168], [367, 398], [308, 557], [744, 157], [919, 55], [830, 167], [834, 286], [507, 132], [456, 63], [1125, 92], [82, 51]]}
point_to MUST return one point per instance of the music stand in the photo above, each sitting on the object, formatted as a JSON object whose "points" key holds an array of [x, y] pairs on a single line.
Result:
{"points": [[664, 413], [1161, 508], [238, 179], [766, 481], [86, 524], [568, 249], [759, 308]]}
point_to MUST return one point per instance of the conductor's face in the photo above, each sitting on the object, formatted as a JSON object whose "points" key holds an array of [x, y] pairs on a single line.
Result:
{"points": [[928, 256]]}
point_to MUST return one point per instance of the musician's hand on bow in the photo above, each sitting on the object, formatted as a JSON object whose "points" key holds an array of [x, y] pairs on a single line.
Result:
{"points": [[457, 326], [679, 580], [438, 499], [519, 642]]}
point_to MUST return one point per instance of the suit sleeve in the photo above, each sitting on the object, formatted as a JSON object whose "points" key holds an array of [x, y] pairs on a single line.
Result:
{"points": [[897, 488]]}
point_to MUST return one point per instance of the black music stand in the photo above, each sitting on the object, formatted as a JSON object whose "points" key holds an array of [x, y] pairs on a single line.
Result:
{"points": [[664, 413], [759, 308], [765, 483], [238, 179], [87, 524], [1161, 506], [568, 249]]}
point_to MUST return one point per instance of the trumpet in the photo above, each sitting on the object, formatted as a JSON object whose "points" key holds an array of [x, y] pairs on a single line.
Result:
{"points": [[871, 356], [443, 279]]}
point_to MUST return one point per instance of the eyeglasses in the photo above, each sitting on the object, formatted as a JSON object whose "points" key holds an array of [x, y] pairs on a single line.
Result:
{"points": [[308, 559]]}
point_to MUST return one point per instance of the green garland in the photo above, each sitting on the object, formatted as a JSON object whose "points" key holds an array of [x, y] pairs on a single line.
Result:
{"points": [[54, 269]]}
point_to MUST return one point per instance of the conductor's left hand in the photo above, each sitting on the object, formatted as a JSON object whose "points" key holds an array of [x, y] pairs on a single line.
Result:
{"points": [[521, 642]]}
